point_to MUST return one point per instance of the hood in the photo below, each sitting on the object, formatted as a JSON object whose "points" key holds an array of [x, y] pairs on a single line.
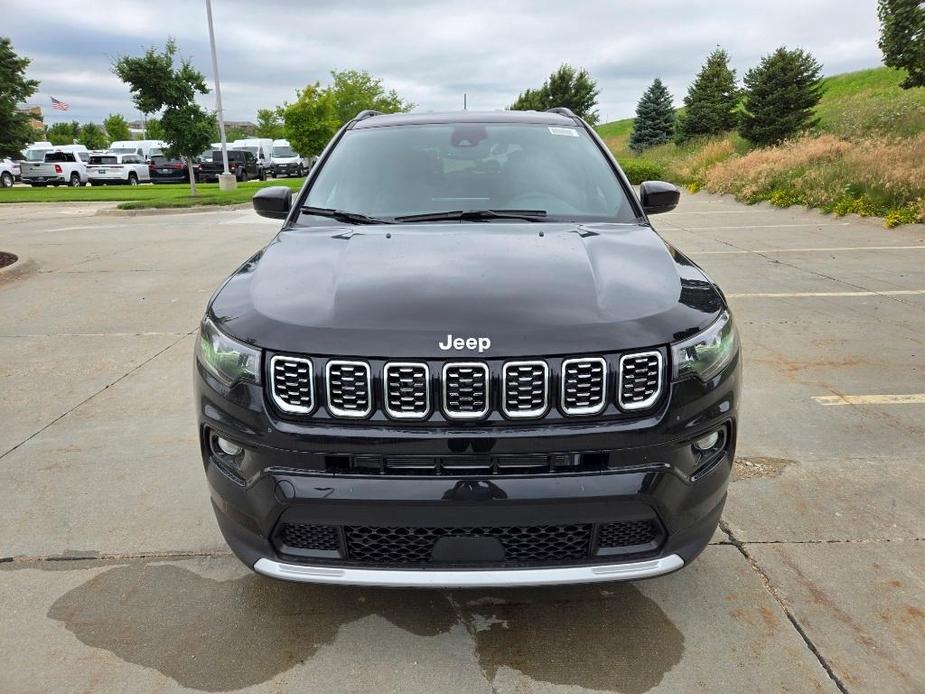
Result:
{"points": [[531, 289], [286, 160]]}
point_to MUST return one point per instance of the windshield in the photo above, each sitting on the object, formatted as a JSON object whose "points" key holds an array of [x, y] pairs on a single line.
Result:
{"points": [[122, 150], [252, 150], [415, 169], [284, 152], [156, 152]]}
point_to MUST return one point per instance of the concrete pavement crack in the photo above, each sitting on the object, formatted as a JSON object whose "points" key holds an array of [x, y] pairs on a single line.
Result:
{"points": [[772, 591], [90, 397]]}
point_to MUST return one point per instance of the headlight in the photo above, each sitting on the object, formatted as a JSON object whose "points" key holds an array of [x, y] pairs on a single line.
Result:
{"points": [[228, 360], [707, 353]]}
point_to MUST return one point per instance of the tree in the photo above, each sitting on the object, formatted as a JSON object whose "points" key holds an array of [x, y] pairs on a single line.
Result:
{"points": [[318, 112], [153, 129], [116, 128], [357, 90], [92, 136], [63, 133], [902, 38], [711, 101], [15, 129], [655, 118], [160, 86], [270, 123], [312, 120], [780, 95], [574, 89], [231, 134]]}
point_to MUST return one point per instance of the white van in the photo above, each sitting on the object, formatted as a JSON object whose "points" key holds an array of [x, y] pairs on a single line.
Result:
{"points": [[260, 147], [142, 148], [285, 160]]}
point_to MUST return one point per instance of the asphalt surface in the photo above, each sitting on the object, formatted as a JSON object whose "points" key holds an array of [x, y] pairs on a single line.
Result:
{"points": [[114, 576]]}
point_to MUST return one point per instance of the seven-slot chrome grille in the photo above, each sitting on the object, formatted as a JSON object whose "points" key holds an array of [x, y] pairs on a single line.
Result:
{"points": [[640, 380], [525, 388], [467, 390], [349, 388], [407, 390]]}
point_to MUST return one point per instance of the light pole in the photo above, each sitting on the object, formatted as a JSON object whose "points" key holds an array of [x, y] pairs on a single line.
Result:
{"points": [[225, 180]]}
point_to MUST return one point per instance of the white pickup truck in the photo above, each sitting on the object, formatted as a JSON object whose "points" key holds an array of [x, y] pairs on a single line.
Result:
{"points": [[58, 168]]}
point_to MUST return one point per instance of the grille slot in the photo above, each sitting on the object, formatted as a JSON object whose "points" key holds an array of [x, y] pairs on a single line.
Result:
{"points": [[465, 390], [584, 385], [525, 388], [407, 390], [640, 380], [547, 544], [627, 533], [348, 388], [292, 384]]}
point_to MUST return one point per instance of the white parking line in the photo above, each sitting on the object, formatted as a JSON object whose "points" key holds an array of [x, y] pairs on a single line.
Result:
{"points": [[907, 399], [800, 295], [831, 249]]}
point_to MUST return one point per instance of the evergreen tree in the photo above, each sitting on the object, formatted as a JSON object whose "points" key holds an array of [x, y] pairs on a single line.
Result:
{"points": [[574, 89], [655, 118], [902, 38], [780, 95], [711, 99]]}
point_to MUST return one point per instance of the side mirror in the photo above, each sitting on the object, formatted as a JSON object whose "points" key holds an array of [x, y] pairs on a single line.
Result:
{"points": [[658, 196], [273, 202]]}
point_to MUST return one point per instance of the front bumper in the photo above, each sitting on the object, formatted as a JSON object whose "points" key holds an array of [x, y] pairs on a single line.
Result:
{"points": [[650, 474]]}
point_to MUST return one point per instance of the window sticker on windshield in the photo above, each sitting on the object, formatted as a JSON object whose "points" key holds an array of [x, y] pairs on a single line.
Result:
{"points": [[568, 132]]}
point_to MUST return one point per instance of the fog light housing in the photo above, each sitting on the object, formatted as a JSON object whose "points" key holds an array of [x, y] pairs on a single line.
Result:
{"points": [[708, 442], [227, 447], [228, 454]]}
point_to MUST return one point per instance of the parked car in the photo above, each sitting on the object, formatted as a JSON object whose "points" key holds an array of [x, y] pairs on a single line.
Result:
{"points": [[36, 151], [242, 163], [285, 161], [260, 147], [7, 173], [66, 165], [467, 359], [143, 148], [109, 168], [164, 170]]}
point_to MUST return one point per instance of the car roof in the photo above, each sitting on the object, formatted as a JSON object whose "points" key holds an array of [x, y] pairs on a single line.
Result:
{"points": [[538, 117]]}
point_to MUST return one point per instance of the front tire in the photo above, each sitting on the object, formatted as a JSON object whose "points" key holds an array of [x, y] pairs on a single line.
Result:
{"points": [[74, 180], [6, 180]]}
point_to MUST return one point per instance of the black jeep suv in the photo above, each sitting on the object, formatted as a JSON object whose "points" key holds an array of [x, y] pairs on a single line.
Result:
{"points": [[467, 360]]}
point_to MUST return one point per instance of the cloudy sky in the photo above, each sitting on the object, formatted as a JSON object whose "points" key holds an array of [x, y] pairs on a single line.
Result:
{"points": [[430, 51]]}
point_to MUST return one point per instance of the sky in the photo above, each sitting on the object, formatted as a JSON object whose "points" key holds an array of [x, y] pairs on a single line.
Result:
{"points": [[430, 52]]}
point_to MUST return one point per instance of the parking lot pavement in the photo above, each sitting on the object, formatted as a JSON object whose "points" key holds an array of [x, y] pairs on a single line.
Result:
{"points": [[815, 584]]}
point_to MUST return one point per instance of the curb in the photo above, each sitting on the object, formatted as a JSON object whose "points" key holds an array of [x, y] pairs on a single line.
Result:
{"points": [[116, 212]]}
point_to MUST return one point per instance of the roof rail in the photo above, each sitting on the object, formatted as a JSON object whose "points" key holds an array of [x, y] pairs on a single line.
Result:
{"points": [[562, 111], [368, 113]]}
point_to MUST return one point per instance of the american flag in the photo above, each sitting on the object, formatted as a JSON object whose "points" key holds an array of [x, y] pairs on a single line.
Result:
{"points": [[60, 105]]}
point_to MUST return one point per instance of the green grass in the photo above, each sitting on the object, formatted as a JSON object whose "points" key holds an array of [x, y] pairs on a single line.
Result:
{"points": [[146, 196], [856, 104]]}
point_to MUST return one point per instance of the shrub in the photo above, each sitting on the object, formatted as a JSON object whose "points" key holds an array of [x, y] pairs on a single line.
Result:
{"points": [[639, 170]]}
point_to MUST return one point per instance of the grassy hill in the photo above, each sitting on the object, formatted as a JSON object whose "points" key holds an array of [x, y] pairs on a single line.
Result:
{"points": [[865, 156]]}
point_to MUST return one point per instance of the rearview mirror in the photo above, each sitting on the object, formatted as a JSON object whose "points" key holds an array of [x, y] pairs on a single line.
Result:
{"points": [[658, 196], [273, 202]]}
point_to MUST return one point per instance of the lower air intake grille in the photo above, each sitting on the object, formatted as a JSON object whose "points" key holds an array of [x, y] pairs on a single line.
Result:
{"points": [[640, 380], [465, 390], [627, 533], [525, 385], [584, 385], [522, 545], [291, 381], [348, 385], [407, 390], [304, 536]]}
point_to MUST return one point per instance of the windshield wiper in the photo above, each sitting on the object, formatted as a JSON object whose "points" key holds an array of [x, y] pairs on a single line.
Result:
{"points": [[344, 216], [475, 215]]}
